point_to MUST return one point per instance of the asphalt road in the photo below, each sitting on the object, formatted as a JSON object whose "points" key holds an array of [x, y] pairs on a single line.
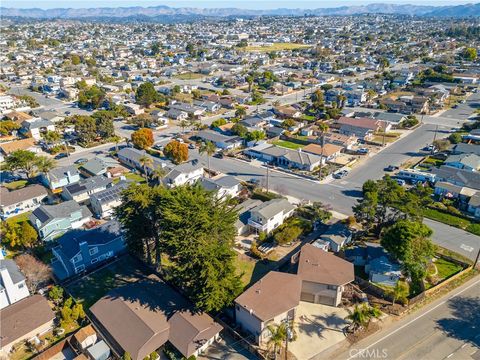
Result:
{"points": [[449, 328]]}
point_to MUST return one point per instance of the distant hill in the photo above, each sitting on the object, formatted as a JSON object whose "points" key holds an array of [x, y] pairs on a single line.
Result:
{"points": [[159, 13]]}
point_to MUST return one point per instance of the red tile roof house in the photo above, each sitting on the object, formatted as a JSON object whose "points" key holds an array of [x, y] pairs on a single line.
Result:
{"points": [[320, 279], [141, 317], [363, 128]]}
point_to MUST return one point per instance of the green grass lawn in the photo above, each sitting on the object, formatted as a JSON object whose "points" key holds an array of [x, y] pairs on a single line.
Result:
{"points": [[135, 177], [189, 75], [446, 268], [288, 144], [276, 47], [252, 270], [14, 185], [19, 218], [445, 218], [91, 288]]}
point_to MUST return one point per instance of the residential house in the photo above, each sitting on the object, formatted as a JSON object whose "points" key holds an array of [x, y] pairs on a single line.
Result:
{"points": [[244, 213], [103, 203], [345, 141], [81, 191], [36, 128], [94, 167], [132, 157], [80, 250], [19, 201], [176, 114], [155, 313], [363, 128], [459, 177], [57, 178], [324, 276], [23, 144], [221, 141], [186, 173], [328, 153], [13, 287], [84, 338], [191, 110], [337, 235], [464, 148], [271, 300], [134, 109], [25, 320], [222, 185], [393, 118], [287, 112], [470, 162], [474, 205], [269, 215], [52, 221]]}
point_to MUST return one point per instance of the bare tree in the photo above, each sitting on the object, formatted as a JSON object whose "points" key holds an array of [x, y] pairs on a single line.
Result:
{"points": [[36, 272]]}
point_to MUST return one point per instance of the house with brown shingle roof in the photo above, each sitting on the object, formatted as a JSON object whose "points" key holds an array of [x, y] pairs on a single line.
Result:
{"points": [[328, 153], [139, 318], [24, 144], [320, 279]]}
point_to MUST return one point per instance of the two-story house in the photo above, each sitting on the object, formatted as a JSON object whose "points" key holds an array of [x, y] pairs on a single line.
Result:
{"points": [[270, 215], [224, 185], [81, 191], [186, 173], [80, 250], [103, 203], [52, 221], [12, 283], [19, 201], [57, 178]]}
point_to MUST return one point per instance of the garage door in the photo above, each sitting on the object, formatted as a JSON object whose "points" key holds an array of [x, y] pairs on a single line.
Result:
{"points": [[326, 300], [307, 297]]}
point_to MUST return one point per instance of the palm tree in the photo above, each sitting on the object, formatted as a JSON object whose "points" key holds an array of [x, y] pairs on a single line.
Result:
{"points": [[158, 173], [362, 315], [278, 334], [323, 128], [400, 292], [145, 161], [44, 165], [209, 149]]}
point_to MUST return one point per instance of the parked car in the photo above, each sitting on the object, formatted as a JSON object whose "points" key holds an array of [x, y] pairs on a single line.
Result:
{"points": [[191, 146], [340, 174], [430, 147], [363, 151], [218, 155], [254, 181], [391, 168], [81, 161], [400, 182], [158, 147], [60, 156]]}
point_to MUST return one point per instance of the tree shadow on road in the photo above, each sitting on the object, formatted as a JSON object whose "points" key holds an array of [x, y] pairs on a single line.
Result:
{"points": [[464, 323]]}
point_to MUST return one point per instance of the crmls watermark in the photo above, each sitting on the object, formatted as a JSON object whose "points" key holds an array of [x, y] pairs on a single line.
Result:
{"points": [[368, 353]]}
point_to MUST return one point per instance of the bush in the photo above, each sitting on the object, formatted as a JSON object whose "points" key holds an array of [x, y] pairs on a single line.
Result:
{"points": [[288, 234]]}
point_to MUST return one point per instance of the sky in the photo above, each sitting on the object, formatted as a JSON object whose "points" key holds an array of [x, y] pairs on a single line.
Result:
{"points": [[245, 4]]}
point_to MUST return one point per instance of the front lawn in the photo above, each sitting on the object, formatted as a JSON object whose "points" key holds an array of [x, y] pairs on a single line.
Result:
{"points": [[189, 76], [288, 144], [445, 218], [446, 268], [14, 185], [89, 289]]}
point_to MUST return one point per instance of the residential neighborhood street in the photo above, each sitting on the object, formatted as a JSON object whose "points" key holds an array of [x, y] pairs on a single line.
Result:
{"points": [[445, 329]]}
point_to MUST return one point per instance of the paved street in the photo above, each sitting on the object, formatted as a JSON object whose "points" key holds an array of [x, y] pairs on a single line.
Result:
{"points": [[446, 329]]}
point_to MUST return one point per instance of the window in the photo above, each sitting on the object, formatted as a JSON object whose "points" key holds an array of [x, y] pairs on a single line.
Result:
{"points": [[80, 268], [331, 287], [93, 250], [21, 286], [94, 260], [77, 258]]}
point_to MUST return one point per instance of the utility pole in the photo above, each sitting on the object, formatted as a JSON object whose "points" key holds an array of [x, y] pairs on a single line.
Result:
{"points": [[268, 177], [384, 132], [287, 322], [475, 263], [434, 139]]}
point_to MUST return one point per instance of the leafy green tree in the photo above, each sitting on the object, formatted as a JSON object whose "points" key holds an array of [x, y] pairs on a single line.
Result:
{"points": [[455, 138], [143, 138], [209, 149], [56, 294], [470, 54], [86, 128], [28, 234], [30, 101], [7, 126], [408, 241], [75, 59], [146, 94], [217, 123], [240, 130], [126, 356], [51, 137], [400, 292], [10, 233], [45, 164], [240, 112], [255, 135], [278, 335], [288, 234], [21, 160]]}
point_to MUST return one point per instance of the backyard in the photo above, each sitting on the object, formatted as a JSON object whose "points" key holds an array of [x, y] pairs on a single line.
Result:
{"points": [[288, 144], [92, 287], [252, 270]]}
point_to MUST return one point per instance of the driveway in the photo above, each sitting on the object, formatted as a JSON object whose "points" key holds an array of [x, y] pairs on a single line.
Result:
{"points": [[318, 328], [226, 349]]}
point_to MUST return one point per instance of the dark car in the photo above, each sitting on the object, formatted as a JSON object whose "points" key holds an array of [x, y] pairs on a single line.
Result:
{"points": [[81, 161], [340, 174], [391, 168], [60, 156], [218, 155]]}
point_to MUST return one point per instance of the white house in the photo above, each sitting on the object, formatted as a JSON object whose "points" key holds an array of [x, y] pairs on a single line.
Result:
{"points": [[6, 103], [57, 178], [20, 201], [270, 215], [12, 283], [186, 173]]}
